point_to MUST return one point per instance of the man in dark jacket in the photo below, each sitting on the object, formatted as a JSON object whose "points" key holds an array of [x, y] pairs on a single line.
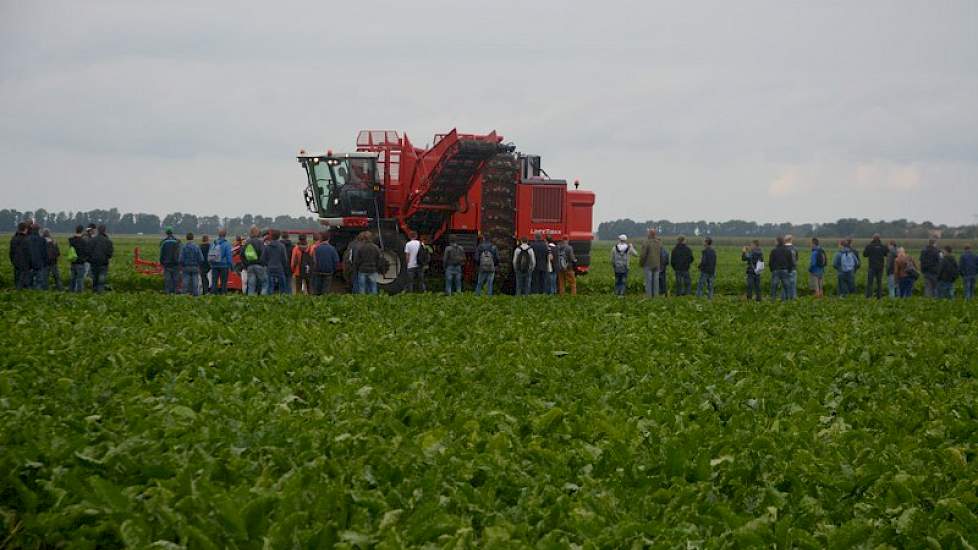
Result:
{"points": [[100, 252], [947, 274], [708, 269], [663, 271], [274, 259], [682, 258], [540, 281], [781, 262], [487, 262], [53, 253], [327, 262], [251, 254], [20, 257], [877, 252], [170, 260], [366, 263], [930, 266], [78, 251], [286, 241], [969, 271], [205, 268], [38, 249], [754, 256]]}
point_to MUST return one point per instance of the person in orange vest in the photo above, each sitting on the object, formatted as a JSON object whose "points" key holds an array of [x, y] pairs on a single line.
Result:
{"points": [[303, 265]]}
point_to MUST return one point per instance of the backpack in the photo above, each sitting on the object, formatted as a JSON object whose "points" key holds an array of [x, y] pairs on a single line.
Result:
{"points": [[620, 260], [424, 256], [306, 264], [486, 263], [250, 253], [523, 261], [72, 254], [821, 260], [456, 255], [563, 264], [215, 254], [848, 261]]}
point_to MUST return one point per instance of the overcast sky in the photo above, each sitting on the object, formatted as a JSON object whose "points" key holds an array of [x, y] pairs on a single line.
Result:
{"points": [[768, 111]]}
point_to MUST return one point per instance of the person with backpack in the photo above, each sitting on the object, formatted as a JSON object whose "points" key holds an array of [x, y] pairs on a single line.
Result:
{"points": [[789, 243], [754, 257], [170, 260], [682, 259], [415, 272], [20, 257], [892, 285], [846, 263], [566, 264], [708, 270], [649, 260], [205, 268], [251, 256], [541, 253], [930, 267], [453, 259], [663, 274], [190, 259], [524, 260], [781, 261], [366, 263], [487, 263], [327, 262], [274, 259], [947, 275], [220, 258], [906, 272], [816, 269], [303, 265], [877, 252], [53, 254], [969, 270], [100, 252], [77, 257], [619, 262]]}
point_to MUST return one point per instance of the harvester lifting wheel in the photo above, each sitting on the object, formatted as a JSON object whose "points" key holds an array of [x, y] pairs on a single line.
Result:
{"points": [[395, 278]]}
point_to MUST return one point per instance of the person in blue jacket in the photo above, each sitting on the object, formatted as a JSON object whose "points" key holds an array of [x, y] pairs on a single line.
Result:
{"points": [[220, 260], [816, 269]]}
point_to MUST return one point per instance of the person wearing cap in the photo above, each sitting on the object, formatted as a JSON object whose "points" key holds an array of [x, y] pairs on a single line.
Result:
{"points": [[566, 263], [170, 260], [619, 262]]}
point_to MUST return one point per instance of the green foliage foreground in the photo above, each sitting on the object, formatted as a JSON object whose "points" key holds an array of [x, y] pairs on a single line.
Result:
{"points": [[144, 420]]}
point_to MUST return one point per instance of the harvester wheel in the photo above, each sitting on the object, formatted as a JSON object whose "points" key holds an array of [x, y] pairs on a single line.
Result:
{"points": [[396, 277]]}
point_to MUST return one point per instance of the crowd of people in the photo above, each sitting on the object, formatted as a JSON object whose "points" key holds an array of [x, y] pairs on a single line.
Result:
{"points": [[269, 262], [937, 266]]}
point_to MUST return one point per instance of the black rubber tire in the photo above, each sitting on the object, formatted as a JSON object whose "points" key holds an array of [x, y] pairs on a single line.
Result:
{"points": [[396, 278]]}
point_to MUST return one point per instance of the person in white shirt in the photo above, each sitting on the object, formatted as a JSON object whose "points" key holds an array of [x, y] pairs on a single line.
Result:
{"points": [[415, 281]]}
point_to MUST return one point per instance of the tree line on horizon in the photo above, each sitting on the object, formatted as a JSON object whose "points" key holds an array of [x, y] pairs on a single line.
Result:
{"points": [[846, 227], [134, 223]]}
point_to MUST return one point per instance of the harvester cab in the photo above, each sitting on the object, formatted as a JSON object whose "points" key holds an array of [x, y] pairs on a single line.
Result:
{"points": [[342, 186]]}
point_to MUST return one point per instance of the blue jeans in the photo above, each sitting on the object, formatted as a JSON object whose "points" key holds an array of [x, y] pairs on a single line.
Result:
{"points": [[453, 279], [100, 274], [754, 286], [945, 290], [40, 279], [523, 283], [355, 283], [906, 287], [651, 282], [552, 282], [781, 278], [892, 285], [485, 278], [219, 280], [663, 283], [793, 284], [366, 284], [257, 280], [705, 284], [684, 283], [847, 283], [171, 278], [277, 283], [540, 280], [191, 281], [969, 287], [621, 280], [77, 278]]}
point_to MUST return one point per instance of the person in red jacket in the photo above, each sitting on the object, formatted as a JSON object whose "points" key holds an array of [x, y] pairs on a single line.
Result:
{"points": [[302, 266]]}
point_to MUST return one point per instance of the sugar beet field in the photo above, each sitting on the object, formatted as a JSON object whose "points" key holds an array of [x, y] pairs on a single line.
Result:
{"points": [[134, 419]]}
